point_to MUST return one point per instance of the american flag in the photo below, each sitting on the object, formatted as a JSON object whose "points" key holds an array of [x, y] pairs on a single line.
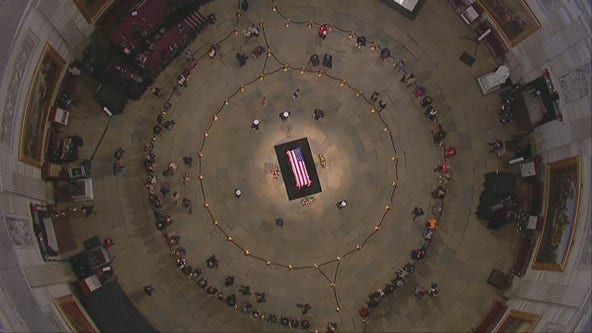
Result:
{"points": [[298, 167]]}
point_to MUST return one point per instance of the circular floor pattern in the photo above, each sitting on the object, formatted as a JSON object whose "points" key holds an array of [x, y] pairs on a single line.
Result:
{"points": [[362, 167], [351, 138]]}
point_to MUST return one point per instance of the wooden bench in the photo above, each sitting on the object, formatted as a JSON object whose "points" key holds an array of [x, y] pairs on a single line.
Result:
{"points": [[491, 318], [522, 255]]}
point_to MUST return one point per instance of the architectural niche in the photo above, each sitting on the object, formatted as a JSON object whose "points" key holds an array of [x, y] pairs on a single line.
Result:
{"points": [[576, 84], [20, 231]]}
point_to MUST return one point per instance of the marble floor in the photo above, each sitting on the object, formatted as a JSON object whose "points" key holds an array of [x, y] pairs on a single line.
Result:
{"points": [[380, 162]]}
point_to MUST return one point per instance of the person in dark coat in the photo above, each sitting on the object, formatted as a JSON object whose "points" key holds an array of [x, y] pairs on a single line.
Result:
{"points": [[242, 59], [231, 300], [318, 114], [314, 60], [328, 60], [360, 41]]}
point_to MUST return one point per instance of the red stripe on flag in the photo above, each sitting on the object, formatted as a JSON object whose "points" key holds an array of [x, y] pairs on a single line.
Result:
{"points": [[298, 170], [294, 166]]}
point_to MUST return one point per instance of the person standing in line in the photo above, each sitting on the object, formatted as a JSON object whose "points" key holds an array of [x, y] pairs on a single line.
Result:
{"points": [[245, 290], [118, 167], [439, 137], [156, 92], [188, 160], [409, 268], [434, 290], [450, 152], [164, 189], [314, 60], [399, 65], [425, 101], [323, 30], [432, 224], [260, 297], [186, 203], [305, 307], [255, 124], [360, 41], [496, 146], [418, 254], [419, 292], [119, 154], [285, 115], [242, 59], [253, 30], [212, 261], [442, 168], [318, 114], [374, 96], [229, 281], [185, 178], [176, 196], [328, 60], [331, 327], [244, 5], [417, 212], [87, 210], [408, 79], [149, 289], [231, 300], [108, 242]]}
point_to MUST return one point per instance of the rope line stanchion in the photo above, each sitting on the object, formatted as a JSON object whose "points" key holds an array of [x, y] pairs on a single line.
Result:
{"points": [[338, 306], [324, 275]]}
